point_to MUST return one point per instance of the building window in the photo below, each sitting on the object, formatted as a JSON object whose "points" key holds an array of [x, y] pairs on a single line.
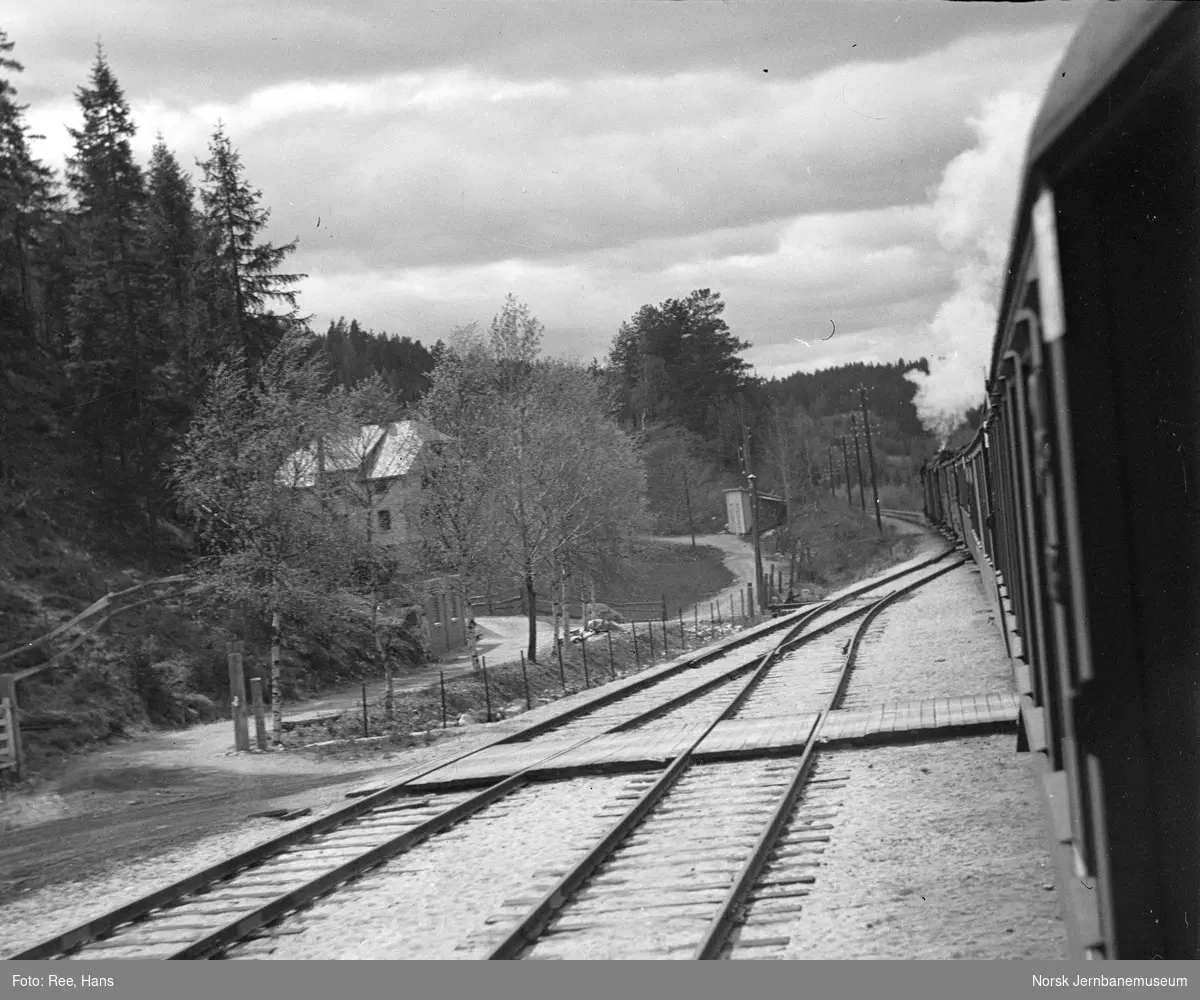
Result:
{"points": [[385, 520]]}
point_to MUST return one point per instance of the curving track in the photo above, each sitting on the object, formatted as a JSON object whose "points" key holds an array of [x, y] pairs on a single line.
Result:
{"points": [[214, 912]]}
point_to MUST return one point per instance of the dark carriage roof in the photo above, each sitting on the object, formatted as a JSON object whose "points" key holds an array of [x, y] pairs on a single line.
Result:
{"points": [[1112, 36]]}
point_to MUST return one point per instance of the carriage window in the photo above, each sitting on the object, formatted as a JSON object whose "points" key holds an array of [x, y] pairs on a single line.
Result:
{"points": [[385, 520]]}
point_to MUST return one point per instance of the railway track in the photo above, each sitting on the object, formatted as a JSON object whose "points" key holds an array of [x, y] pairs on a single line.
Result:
{"points": [[663, 883], [210, 913]]}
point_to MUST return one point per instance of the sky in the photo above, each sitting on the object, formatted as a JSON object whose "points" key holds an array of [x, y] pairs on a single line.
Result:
{"points": [[847, 166]]}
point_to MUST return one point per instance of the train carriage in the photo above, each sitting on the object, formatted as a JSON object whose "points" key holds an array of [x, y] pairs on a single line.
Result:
{"points": [[1079, 488]]}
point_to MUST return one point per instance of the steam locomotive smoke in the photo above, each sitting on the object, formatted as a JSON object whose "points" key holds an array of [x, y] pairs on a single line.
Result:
{"points": [[973, 211]]}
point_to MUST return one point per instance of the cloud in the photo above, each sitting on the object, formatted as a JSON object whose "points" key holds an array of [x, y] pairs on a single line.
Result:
{"points": [[163, 51], [973, 207], [592, 182]]}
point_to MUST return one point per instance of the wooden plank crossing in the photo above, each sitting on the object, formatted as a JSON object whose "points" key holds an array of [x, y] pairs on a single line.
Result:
{"points": [[653, 746], [987, 711]]}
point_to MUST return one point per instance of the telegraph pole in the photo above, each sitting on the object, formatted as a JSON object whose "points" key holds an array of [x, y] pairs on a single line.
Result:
{"points": [[846, 462], [862, 392], [687, 498], [758, 572], [862, 492], [753, 480]]}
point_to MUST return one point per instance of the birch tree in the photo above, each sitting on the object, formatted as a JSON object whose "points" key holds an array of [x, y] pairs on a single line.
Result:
{"points": [[455, 513], [249, 474]]}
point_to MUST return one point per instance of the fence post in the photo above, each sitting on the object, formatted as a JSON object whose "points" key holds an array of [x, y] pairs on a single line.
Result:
{"points": [[237, 689], [525, 678], [487, 695], [366, 723], [260, 718], [8, 691], [637, 658], [664, 606], [442, 680], [666, 645], [742, 600], [650, 633], [611, 667], [682, 640], [750, 600], [447, 609], [583, 649], [562, 673]]}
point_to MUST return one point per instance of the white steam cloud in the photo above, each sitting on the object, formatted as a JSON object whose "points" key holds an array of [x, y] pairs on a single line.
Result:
{"points": [[973, 211]]}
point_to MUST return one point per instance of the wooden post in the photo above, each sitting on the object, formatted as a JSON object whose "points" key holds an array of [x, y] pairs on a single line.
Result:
{"points": [[611, 666], [442, 680], [562, 673], [8, 694], [696, 621], [750, 600], [666, 647], [682, 639], [487, 695], [687, 499], [742, 597], [650, 633], [871, 458], [587, 683], [447, 608], [664, 606], [237, 691], [366, 722], [525, 678], [637, 656], [260, 716], [862, 492], [846, 461]]}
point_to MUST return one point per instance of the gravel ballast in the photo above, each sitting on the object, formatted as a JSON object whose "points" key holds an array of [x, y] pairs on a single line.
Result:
{"points": [[937, 852], [434, 901], [938, 642]]}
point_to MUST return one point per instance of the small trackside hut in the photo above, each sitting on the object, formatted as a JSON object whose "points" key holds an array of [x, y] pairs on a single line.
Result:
{"points": [[1080, 489], [739, 511]]}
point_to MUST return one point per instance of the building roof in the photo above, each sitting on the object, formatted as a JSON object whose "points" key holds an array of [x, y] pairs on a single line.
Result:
{"points": [[374, 452], [761, 496]]}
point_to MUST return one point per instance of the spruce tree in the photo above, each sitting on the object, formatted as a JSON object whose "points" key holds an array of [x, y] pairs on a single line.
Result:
{"points": [[173, 241], [27, 204], [117, 356], [241, 274]]}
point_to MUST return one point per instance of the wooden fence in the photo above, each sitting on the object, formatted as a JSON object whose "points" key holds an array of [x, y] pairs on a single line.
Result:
{"points": [[515, 605], [74, 633]]}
